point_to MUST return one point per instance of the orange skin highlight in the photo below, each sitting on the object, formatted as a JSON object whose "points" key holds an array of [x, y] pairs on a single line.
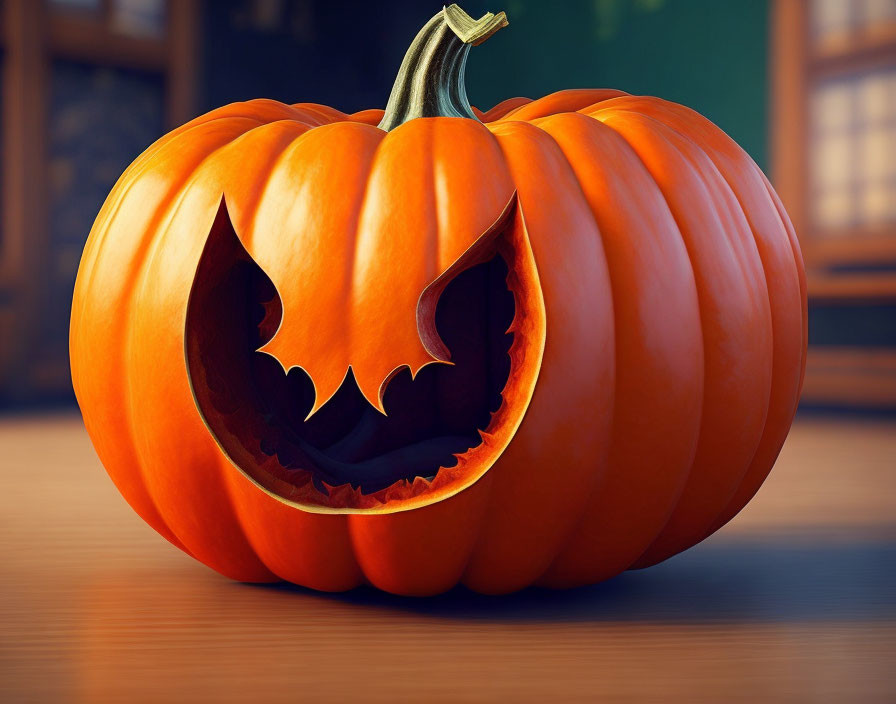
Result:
{"points": [[660, 293]]}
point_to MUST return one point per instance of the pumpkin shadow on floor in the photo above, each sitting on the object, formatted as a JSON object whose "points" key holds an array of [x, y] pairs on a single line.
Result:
{"points": [[774, 579]]}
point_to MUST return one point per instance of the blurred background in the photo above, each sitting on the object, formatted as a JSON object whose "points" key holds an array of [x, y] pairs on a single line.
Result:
{"points": [[807, 87], [794, 600]]}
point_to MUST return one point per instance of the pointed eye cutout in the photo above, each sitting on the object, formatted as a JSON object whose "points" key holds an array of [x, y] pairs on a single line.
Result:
{"points": [[259, 414], [375, 314]]}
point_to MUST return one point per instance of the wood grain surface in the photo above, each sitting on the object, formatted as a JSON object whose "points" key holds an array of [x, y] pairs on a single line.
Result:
{"points": [[793, 601]]}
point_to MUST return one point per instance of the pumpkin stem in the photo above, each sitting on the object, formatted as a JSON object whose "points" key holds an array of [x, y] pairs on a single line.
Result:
{"points": [[430, 82]]}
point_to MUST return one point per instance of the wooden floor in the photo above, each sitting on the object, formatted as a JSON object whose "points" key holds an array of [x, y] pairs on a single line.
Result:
{"points": [[794, 601]]}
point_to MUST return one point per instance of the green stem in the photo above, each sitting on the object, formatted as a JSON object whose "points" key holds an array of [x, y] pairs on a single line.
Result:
{"points": [[430, 82]]}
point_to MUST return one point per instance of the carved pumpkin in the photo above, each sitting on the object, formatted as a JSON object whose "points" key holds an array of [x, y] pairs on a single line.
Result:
{"points": [[412, 348]]}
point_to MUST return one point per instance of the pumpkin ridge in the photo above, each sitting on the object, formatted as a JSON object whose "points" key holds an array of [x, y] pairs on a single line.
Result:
{"points": [[243, 517], [503, 108], [570, 131], [745, 294], [726, 157], [326, 113], [701, 299], [567, 101], [374, 250], [745, 252], [715, 156], [112, 205], [687, 113], [800, 269], [775, 382], [719, 159], [275, 111], [107, 217], [166, 214], [323, 394], [515, 480], [730, 150], [801, 278], [798, 263], [564, 540], [208, 120], [250, 226], [249, 209], [92, 260], [431, 246], [523, 249]]}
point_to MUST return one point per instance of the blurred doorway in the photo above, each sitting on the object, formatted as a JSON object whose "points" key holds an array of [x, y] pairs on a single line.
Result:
{"points": [[86, 86]]}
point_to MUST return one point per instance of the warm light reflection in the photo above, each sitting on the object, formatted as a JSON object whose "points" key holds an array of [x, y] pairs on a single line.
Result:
{"points": [[852, 148]]}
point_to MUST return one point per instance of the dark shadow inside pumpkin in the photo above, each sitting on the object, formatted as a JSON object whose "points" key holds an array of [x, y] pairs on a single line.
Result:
{"points": [[257, 412]]}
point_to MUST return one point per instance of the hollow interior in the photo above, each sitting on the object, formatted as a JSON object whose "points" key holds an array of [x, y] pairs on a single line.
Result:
{"points": [[257, 411]]}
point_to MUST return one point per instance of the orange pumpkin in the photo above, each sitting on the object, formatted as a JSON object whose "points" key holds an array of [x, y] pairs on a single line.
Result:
{"points": [[429, 346]]}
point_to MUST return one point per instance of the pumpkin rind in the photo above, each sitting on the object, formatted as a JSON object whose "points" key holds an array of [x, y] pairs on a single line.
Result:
{"points": [[673, 302]]}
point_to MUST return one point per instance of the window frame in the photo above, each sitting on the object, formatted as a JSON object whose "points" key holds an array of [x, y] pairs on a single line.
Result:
{"points": [[831, 261], [836, 376], [32, 35]]}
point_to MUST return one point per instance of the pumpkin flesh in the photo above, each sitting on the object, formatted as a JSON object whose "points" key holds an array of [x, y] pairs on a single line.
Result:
{"points": [[346, 453]]}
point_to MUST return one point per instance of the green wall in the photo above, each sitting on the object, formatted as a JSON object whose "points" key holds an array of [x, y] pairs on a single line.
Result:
{"points": [[708, 54]]}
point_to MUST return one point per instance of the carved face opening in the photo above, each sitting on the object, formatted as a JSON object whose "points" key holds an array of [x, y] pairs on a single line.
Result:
{"points": [[348, 454]]}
